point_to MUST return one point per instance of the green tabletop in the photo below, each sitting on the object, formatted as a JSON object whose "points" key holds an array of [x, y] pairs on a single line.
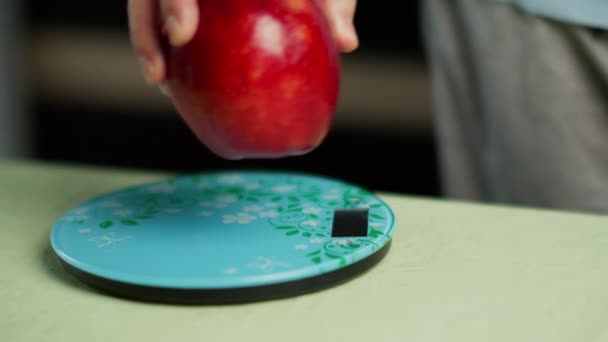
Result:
{"points": [[455, 272]]}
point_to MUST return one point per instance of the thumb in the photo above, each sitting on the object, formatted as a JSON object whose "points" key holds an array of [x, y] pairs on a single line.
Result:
{"points": [[340, 15]]}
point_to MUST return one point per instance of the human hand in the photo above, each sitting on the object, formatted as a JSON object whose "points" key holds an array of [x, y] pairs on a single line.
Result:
{"points": [[179, 20]]}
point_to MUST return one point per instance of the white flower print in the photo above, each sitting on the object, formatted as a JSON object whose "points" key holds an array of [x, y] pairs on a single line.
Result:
{"points": [[330, 197], [301, 247], [367, 204], [226, 199], [311, 210], [231, 270], [376, 224], [268, 213], [344, 242], [108, 239], [85, 230], [230, 179], [311, 223], [205, 213], [240, 218], [271, 204], [162, 188], [123, 212], [252, 186], [253, 208], [283, 188], [267, 265], [316, 240]]}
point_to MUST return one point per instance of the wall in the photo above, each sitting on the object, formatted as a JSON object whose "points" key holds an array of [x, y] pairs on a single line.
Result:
{"points": [[14, 134]]}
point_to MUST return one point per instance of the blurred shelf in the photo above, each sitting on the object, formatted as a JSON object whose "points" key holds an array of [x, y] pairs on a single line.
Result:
{"points": [[97, 68]]}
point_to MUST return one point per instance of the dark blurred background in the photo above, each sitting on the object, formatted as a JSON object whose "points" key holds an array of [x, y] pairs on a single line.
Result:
{"points": [[76, 95]]}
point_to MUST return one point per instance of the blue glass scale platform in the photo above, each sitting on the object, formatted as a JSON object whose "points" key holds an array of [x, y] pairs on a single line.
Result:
{"points": [[224, 237]]}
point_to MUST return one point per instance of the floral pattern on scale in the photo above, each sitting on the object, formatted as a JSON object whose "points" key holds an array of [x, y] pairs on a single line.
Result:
{"points": [[297, 207]]}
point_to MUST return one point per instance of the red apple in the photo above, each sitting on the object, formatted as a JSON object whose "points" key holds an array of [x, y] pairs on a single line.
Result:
{"points": [[260, 79]]}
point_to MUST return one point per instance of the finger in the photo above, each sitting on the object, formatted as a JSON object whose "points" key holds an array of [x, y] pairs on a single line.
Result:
{"points": [[180, 20], [144, 38], [348, 39], [340, 15]]}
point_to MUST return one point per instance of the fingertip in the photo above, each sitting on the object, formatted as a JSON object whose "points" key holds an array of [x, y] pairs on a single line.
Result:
{"points": [[173, 31], [144, 39], [180, 20], [190, 18], [349, 44], [348, 40], [164, 89], [152, 69]]}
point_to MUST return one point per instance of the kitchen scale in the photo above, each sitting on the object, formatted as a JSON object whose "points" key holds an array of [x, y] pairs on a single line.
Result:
{"points": [[224, 237]]}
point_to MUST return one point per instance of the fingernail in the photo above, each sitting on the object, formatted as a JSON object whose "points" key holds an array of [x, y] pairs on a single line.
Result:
{"points": [[149, 69], [349, 32], [164, 89], [172, 29]]}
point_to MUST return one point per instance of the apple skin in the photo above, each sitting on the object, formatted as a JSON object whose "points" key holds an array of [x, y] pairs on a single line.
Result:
{"points": [[260, 78]]}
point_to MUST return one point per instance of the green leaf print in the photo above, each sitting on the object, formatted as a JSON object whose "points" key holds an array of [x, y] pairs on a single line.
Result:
{"points": [[376, 216], [285, 227], [128, 222], [377, 205], [106, 224], [150, 211], [314, 253], [252, 199], [292, 232], [375, 233], [276, 198], [294, 199], [316, 260], [362, 193], [307, 234]]}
